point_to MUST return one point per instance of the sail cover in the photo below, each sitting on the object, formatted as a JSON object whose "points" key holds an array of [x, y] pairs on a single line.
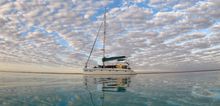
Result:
{"points": [[119, 58]]}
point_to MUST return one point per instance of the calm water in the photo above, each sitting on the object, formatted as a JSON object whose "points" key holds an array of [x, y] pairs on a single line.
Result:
{"points": [[184, 89]]}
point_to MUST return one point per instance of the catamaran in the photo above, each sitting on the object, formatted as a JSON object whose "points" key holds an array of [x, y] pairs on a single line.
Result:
{"points": [[119, 64]]}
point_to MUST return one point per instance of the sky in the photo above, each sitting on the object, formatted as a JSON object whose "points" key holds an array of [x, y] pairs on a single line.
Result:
{"points": [[153, 34]]}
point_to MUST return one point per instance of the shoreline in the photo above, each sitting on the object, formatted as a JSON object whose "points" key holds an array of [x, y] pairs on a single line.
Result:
{"points": [[172, 72], [40, 72]]}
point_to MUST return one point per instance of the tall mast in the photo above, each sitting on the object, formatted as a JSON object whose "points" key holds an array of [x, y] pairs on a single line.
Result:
{"points": [[104, 37]]}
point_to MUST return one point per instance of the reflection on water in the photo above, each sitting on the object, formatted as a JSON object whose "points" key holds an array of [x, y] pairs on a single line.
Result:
{"points": [[108, 84], [194, 89], [104, 87]]}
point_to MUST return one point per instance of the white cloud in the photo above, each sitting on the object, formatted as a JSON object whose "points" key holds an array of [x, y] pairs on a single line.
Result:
{"points": [[168, 34]]}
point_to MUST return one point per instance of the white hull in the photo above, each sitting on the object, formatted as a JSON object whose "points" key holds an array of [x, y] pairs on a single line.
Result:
{"points": [[107, 71]]}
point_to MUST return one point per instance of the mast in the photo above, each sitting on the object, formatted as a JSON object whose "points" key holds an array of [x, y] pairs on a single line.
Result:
{"points": [[96, 40], [104, 38]]}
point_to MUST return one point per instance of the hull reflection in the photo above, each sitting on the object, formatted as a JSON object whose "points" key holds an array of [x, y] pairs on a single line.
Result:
{"points": [[109, 83], [104, 86]]}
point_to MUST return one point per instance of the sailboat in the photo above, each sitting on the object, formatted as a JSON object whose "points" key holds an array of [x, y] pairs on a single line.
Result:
{"points": [[120, 67]]}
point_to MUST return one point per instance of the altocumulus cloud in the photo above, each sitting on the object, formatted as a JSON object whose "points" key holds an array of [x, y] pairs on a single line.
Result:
{"points": [[155, 34]]}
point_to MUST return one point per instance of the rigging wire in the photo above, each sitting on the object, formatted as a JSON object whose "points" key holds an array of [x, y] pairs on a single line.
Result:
{"points": [[93, 45], [90, 93]]}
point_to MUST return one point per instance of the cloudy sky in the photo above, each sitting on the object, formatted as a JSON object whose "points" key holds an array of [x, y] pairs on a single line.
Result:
{"points": [[154, 34]]}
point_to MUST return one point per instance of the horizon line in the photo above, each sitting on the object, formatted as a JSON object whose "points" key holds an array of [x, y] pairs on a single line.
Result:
{"points": [[75, 73]]}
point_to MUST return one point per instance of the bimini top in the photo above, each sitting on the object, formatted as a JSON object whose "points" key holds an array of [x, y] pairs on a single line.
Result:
{"points": [[118, 58]]}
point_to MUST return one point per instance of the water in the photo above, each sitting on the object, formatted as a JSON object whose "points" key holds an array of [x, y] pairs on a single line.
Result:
{"points": [[183, 89]]}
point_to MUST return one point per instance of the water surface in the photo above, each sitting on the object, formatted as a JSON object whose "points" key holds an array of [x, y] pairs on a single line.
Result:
{"points": [[183, 89]]}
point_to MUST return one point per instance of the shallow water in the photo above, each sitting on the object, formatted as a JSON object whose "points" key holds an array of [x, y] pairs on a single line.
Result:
{"points": [[183, 89]]}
